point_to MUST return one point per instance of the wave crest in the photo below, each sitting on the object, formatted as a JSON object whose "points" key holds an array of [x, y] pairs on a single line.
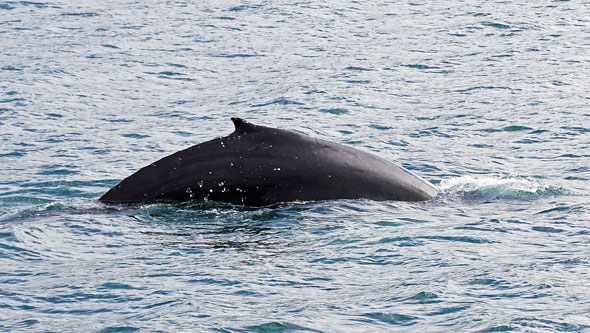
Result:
{"points": [[497, 188]]}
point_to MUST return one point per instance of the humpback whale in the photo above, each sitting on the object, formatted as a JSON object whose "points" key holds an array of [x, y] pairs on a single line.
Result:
{"points": [[259, 166]]}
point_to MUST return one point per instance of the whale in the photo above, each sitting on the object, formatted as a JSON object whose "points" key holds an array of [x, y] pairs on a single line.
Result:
{"points": [[257, 165]]}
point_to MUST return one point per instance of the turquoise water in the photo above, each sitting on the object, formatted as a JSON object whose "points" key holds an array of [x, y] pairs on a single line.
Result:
{"points": [[488, 101]]}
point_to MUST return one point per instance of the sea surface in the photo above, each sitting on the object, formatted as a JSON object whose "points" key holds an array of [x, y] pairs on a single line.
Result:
{"points": [[488, 100]]}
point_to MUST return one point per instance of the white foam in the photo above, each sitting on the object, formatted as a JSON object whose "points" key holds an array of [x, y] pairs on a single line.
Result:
{"points": [[469, 182], [489, 187]]}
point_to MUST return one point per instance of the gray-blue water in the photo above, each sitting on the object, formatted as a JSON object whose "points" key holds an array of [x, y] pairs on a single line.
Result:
{"points": [[488, 100]]}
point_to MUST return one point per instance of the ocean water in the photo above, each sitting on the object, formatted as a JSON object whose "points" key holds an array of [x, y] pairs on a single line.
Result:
{"points": [[489, 101]]}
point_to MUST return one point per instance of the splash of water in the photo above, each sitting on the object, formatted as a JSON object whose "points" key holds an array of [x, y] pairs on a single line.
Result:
{"points": [[498, 188]]}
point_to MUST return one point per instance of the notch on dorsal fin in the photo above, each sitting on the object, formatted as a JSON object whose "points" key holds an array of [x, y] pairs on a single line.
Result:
{"points": [[241, 124]]}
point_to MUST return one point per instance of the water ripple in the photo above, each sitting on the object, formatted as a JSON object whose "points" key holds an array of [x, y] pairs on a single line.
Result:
{"points": [[486, 100]]}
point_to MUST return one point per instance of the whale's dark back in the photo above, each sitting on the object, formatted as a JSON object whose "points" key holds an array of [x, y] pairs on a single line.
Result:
{"points": [[258, 165]]}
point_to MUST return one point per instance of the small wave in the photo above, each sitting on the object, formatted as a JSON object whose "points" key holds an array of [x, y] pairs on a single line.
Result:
{"points": [[496, 25], [336, 111], [420, 66], [43, 208], [244, 7], [497, 188], [237, 55], [279, 327], [357, 68], [85, 14], [278, 101]]}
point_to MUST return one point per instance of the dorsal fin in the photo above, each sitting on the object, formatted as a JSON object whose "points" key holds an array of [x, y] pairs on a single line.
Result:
{"points": [[241, 124]]}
